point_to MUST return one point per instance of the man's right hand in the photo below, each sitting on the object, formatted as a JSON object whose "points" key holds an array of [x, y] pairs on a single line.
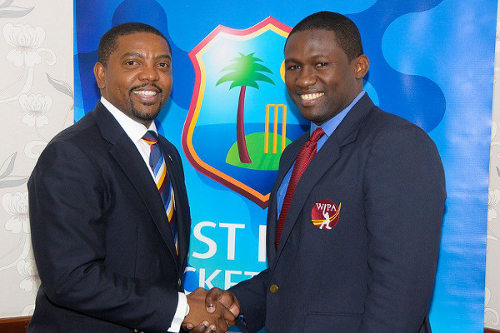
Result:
{"points": [[228, 300], [199, 319]]}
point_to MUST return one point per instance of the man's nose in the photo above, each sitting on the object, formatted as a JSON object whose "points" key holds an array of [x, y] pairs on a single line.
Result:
{"points": [[149, 73], [306, 78]]}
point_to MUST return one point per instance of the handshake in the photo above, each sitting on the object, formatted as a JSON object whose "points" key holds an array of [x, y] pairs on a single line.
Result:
{"points": [[211, 311]]}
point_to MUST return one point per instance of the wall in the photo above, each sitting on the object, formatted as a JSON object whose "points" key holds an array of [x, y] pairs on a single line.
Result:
{"points": [[36, 102], [492, 294]]}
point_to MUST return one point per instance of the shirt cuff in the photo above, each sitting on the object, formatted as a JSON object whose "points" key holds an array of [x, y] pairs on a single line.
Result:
{"points": [[180, 313]]}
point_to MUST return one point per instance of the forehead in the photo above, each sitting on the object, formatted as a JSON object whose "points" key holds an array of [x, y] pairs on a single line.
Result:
{"points": [[312, 43], [141, 42]]}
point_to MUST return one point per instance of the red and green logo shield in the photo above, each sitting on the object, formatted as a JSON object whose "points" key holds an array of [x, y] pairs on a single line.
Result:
{"points": [[240, 121]]}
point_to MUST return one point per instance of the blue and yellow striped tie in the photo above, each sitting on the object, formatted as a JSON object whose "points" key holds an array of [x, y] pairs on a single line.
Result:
{"points": [[157, 164]]}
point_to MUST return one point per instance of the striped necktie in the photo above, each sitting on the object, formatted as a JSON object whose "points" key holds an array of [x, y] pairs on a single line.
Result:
{"points": [[159, 167]]}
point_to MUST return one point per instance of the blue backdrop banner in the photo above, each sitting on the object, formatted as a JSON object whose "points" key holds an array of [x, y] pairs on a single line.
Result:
{"points": [[431, 63]]}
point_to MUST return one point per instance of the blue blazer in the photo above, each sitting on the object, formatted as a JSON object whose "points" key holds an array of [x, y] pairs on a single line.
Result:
{"points": [[102, 244], [374, 270]]}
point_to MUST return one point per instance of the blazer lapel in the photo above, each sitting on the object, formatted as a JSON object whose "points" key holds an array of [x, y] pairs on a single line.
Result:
{"points": [[130, 161], [345, 133], [286, 162]]}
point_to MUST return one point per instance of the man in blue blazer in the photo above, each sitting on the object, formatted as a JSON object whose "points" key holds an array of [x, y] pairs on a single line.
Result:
{"points": [[110, 250], [360, 239]]}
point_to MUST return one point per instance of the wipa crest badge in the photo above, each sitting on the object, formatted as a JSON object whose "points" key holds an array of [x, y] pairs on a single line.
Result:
{"points": [[239, 121], [325, 214]]}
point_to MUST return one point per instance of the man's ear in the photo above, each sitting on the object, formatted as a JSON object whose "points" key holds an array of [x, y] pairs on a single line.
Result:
{"points": [[99, 73], [361, 65]]}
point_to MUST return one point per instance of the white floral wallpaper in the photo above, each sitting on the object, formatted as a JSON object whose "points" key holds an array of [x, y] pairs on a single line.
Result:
{"points": [[492, 293], [36, 102]]}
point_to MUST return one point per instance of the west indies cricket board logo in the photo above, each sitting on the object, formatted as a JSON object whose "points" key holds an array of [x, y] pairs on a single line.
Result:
{"points": [[240, 121]]}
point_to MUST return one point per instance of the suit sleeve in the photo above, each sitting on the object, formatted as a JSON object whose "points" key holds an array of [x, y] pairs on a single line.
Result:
{"points": [[251, 294], [68, 202], [404, 192]]}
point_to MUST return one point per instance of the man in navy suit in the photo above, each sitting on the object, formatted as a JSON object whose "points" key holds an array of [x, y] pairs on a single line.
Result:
{"points": [[357, 248], [110, 228]]}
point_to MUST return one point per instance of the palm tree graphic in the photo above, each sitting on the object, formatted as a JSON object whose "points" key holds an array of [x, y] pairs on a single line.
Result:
{"points": [[244, 71]]}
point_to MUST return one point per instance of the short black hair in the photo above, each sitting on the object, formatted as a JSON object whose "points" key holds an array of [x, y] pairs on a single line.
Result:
{"points": [[346, 31], [107, 43]]}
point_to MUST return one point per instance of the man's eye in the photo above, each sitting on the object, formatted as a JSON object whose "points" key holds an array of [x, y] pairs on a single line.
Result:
{"points": [[321, 64], [164, 64], [130, 63], [292, 67]]}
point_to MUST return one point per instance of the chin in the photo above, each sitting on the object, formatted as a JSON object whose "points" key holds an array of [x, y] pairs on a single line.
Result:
{"points": [[309, 116], [146, 115]]}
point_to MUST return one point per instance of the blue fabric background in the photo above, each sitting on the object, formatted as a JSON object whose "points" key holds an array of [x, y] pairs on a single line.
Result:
{"points": [[431, 62]]}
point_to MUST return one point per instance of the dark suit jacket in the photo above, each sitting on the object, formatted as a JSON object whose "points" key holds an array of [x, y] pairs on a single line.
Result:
{"points": [[374, 270], [103, 247]]}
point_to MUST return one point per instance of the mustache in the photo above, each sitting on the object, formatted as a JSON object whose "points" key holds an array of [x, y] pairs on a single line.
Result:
{"points": [[146, 85]]}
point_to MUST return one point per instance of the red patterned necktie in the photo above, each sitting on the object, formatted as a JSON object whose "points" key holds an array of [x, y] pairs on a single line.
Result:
{"points": [[305, 157]]}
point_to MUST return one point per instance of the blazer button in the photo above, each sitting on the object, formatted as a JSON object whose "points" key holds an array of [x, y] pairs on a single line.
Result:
{"points": [[179, 282], [274, 288]]}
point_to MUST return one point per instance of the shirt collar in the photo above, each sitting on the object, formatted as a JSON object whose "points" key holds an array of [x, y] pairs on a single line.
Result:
{"points": [[330, 125], [134, 129]]}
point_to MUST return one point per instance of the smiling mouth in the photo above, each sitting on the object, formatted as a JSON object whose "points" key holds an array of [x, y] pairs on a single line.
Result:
{"points": [[146, 90], [145, 93], [311, 97]]}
